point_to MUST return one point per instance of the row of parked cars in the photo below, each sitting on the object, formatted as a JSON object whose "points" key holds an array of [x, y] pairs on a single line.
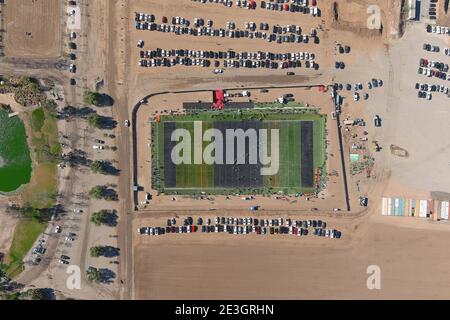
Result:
{"points": [[287, 34], [229, 63], [248, 4], [232, 59], [438, 29], [425, 63], [429, 72], [425, 90], [230, 54], [298, 6], [244, 226]]}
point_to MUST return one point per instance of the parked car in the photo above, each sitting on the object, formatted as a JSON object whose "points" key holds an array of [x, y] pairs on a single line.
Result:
{"points": [[377, 121]]}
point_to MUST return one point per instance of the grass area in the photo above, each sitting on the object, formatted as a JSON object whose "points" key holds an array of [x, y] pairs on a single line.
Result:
{"points": [[40, 193], [41, 190], [193, 178], [37, 119], [25, 235]]}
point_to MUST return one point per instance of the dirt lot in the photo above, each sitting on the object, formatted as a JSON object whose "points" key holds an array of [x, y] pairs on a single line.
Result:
{"points": [[411, 257], [223, 266], [33, 28]]}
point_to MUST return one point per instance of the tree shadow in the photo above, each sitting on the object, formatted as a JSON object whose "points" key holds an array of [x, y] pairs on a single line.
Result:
{"points": [[69, 112], [110, 194], [107, 275], [108, 123], [112, 219], [111, 252], [76, 158], [105, 100], [110, 169]]}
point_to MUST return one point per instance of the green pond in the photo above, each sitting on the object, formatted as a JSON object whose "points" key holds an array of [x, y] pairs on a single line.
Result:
{"points": [[15, 160]]}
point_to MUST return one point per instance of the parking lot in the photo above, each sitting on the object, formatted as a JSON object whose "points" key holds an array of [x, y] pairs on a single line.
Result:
{"points": [[225, 20], [243, 226]]}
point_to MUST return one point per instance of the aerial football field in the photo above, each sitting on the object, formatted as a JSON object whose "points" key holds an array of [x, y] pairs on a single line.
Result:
{"points": [[301, 154]]}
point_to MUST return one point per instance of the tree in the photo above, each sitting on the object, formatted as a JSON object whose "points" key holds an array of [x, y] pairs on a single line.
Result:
{"points": [[99, 167], [100, 217], [49, 105], [95, 120], [91, 97], [93, 274], [103, 192], [97, 192], [97, 251], [38, 294]]}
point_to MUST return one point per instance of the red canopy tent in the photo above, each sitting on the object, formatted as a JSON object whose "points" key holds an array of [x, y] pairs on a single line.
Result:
{"points": [[218, 99]]}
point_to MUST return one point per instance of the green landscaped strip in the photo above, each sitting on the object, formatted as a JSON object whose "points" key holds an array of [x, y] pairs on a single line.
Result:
{"points": [[37, 119], [25, 234]]}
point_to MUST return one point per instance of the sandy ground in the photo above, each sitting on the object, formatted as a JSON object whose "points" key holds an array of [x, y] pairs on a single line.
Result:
{"points": [[408, 251], [8, 224], [412, 265], [28, 35]]}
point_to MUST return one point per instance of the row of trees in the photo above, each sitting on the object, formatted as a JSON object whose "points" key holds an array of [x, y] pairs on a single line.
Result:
{"points": [[103, 192], [102, 217]]}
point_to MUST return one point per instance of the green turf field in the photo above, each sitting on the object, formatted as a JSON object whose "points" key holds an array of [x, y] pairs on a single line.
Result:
{"points": [[195, 178]]}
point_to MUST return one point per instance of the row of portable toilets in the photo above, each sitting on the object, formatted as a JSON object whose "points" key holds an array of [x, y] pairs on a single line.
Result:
{"points": [[434, 209]]}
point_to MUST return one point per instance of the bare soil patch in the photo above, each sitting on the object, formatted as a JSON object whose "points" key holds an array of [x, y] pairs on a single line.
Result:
{"points": [[32, 28]]}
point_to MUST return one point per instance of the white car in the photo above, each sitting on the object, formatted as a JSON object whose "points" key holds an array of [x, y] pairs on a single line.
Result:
{"points": [[57, 229], [127, 123], [356, 96], [77, 210], [98, 147], [218, 71]]}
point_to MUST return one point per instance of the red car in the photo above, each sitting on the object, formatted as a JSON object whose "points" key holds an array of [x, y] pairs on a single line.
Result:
{"points": [[164, 19]]}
